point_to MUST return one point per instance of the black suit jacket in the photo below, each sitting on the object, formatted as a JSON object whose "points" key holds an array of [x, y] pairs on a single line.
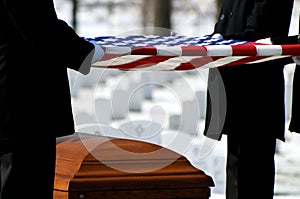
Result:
{"points": [[254, 94], [36, 48], [251, 20]]}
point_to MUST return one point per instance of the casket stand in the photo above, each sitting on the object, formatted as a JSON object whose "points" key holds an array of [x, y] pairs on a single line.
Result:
{"points": [[128, 169]]}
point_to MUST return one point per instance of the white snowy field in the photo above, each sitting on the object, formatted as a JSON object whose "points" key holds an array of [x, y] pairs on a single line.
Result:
{"points": [[190, 17]]}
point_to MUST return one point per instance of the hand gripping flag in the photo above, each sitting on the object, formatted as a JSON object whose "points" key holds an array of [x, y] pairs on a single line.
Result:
{"points": [[171, 53]]}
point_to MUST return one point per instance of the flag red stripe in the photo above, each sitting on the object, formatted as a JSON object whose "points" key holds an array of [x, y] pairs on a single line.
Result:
{"points": [[194, 51], [196, 63], [291, 49], [244, 50], [147, 50]]}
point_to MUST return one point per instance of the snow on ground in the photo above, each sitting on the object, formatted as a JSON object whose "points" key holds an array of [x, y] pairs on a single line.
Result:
{"points": [[287, 158]]}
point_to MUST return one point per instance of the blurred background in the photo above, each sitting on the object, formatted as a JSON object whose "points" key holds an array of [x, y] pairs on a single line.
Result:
{"points": [[159, 107], [112, 17]]}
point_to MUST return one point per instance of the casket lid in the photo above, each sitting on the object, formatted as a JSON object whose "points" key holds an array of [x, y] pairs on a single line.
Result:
{"points": [[93, 163]]}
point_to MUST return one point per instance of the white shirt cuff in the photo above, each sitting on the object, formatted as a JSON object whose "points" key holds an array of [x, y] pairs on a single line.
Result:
{"points": [[98, 52]]}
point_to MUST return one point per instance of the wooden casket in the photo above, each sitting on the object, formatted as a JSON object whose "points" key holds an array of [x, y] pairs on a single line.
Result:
{"points": [[93, 167]]}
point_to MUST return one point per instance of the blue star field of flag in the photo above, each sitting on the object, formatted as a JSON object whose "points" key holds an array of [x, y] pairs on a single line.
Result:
{"points": [[177, 40]]}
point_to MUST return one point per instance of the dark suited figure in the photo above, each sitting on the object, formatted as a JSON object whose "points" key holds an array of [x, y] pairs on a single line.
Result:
{"points": [[255, 115], [295, 113], [294, 125], [36, 48]]}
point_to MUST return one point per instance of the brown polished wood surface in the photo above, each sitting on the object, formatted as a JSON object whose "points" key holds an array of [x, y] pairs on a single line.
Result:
{"points": [[93, 167]]}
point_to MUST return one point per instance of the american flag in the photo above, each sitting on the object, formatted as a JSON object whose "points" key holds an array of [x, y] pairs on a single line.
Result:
{"points": [[169, 53]]}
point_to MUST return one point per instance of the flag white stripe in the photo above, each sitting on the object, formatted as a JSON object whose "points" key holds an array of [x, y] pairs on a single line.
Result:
{"points": [[268, 50], [219, 50], [126, 59], [169, 51], [118, 50]]}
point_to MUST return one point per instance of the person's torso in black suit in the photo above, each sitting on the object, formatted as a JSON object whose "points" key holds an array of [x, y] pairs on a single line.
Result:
{"points": [[254, 93], [36, 48]]}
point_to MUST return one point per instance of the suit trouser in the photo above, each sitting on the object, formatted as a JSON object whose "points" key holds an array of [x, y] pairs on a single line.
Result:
{"points": [[250, 167], [27, 169]]}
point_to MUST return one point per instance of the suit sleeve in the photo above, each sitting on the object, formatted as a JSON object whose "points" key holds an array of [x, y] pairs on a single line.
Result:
{"points": [[38, 26], [267, 18], [271, 17]]}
